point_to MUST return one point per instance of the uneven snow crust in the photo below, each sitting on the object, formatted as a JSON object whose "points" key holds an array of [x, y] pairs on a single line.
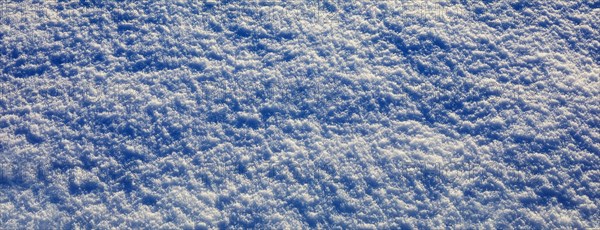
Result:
{"points": [[320, 113]]}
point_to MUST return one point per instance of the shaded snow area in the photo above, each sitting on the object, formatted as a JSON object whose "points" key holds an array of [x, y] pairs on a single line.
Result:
{"points": [[299, 114]]}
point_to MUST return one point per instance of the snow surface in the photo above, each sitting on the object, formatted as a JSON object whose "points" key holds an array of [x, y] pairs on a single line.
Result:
{"points": [[300, 114]]}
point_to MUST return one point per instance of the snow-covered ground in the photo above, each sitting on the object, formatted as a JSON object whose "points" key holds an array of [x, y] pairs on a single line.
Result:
{"points": [[302, 114]]}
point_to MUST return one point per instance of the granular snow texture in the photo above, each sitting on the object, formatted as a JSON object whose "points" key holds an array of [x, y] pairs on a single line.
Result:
{"points": [[299, 114]]}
